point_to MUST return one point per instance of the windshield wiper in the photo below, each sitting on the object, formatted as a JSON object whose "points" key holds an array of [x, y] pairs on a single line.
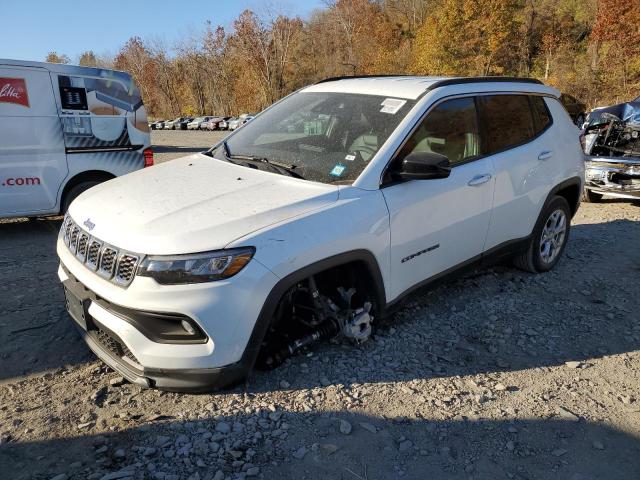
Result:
{"points": [[282, 168]]}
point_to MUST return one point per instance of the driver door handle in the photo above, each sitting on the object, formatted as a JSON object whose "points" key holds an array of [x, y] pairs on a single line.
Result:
{"points": [[479, 180], [546, 155]]}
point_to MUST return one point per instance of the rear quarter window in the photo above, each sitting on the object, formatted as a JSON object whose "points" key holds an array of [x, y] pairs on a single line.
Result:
{"points": [[508, 121], [541, 114]]}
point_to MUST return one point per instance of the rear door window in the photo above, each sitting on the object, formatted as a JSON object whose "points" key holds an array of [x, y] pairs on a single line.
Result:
{"points": [[508, 121]]}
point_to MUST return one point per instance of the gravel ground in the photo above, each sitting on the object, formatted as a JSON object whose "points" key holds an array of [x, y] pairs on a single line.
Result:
{"points": [[170, 144], [500, 375]]}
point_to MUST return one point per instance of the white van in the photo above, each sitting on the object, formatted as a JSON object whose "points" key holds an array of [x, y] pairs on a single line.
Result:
{"points": [[64, 129]]}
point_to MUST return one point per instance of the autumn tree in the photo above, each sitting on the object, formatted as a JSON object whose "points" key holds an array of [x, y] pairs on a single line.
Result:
{"points": [[264, 50], [166, 85], [587, 48], [135, 58], [53, 57], [616, 34], [88, 59], [219, 70], [468, 37]]}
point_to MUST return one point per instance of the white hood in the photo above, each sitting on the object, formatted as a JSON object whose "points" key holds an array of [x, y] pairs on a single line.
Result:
{"points": [[193, 204]]}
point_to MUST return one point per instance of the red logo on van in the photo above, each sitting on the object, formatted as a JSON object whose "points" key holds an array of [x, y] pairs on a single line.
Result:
{"points": [[14, 90]]}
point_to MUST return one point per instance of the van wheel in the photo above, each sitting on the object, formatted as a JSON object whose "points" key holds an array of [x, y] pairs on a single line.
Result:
{"points": [[549, 238], [590, 196], [75, 192]]}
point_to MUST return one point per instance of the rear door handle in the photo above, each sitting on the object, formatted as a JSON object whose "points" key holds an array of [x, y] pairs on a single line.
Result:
{"points": [[545, 155], [479, 179]]}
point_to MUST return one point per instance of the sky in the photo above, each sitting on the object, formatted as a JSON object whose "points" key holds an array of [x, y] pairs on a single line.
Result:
{"points": [[33, 28]]}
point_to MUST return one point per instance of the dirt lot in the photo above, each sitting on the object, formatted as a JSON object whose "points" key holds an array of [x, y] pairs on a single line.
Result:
{"points": [[170, 144], [501, 375]]}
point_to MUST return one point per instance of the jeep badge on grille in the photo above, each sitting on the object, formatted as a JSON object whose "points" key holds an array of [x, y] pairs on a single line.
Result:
{"points": [[89, 224]]}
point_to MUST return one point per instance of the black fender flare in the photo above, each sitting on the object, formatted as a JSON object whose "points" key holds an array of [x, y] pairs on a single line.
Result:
{"points": [[569, 182]]}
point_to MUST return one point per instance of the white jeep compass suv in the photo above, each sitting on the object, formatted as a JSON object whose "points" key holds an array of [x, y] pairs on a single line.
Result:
{"points": [[314, 220]]}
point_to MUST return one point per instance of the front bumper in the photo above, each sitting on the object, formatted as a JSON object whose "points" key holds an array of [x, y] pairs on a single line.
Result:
{"points": [[225, 311], [618, 177], [183, 380], [98, 324]]}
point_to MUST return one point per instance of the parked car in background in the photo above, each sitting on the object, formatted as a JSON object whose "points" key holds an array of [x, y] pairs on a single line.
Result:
{"points": [[63, 130], [218, 122], [214, 123], [236, 122], [198, 123], [209, 123], [168, 125], [314, 219], [612, 146], [577, 109], [224, 123], [173, 124], [157, 125], [182, 125]]}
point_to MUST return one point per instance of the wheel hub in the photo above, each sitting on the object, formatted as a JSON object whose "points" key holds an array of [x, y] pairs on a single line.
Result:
{"points": [[553, 235]]}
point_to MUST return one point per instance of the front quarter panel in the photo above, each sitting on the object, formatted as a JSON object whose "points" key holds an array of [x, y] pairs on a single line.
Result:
{"points": [[359, 220]]}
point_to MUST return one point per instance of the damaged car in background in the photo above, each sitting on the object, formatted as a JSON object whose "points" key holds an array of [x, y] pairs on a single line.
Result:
{"points": [[612, 145]]}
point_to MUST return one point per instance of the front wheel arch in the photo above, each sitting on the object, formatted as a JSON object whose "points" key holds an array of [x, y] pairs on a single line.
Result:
{"points": [[362, 257], [97, 176]]}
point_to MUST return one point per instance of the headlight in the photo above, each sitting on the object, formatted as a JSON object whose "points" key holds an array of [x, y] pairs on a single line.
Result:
{"points": [[195, 268]]}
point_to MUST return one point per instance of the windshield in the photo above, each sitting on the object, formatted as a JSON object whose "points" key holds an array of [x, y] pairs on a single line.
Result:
{"points": [[325, 137]]}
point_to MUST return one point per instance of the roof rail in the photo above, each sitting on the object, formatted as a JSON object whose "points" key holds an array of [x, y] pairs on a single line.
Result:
{"points": [[463, 80], [349, 77], [445, 82]]}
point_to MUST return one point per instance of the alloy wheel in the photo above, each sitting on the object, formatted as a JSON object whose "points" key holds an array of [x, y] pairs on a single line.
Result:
{"points": [[553, 235]]}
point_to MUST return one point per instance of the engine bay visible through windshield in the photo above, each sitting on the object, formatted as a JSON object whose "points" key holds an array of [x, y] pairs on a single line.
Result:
{"points": [[325, 137]]}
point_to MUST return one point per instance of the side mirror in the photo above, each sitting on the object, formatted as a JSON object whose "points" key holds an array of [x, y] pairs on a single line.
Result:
{"points": [[424, 166]]}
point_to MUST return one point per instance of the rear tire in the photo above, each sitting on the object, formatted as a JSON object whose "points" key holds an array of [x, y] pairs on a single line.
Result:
{"points": [[549, 238], [75, 191], [590, 196]]}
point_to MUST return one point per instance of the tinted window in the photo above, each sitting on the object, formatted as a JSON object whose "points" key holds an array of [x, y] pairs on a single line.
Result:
{"points": [[508, 121], [450, 129], [541, 115]]}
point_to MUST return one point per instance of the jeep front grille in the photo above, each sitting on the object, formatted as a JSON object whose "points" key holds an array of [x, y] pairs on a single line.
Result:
{"points": [[73, 238], [108, 261], [93, 254], [126, 269], [81, 249]]}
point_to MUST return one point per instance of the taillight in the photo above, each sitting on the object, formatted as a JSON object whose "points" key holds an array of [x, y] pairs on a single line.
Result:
{"points": [[148, 157]]}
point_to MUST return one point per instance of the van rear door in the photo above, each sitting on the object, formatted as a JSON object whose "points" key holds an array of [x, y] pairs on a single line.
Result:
{"points": [[32, 152]]}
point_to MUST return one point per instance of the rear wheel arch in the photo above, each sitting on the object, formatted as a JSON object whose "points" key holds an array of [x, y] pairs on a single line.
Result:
{"points": [[570, 190], [532, 259], [96, 176]]}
